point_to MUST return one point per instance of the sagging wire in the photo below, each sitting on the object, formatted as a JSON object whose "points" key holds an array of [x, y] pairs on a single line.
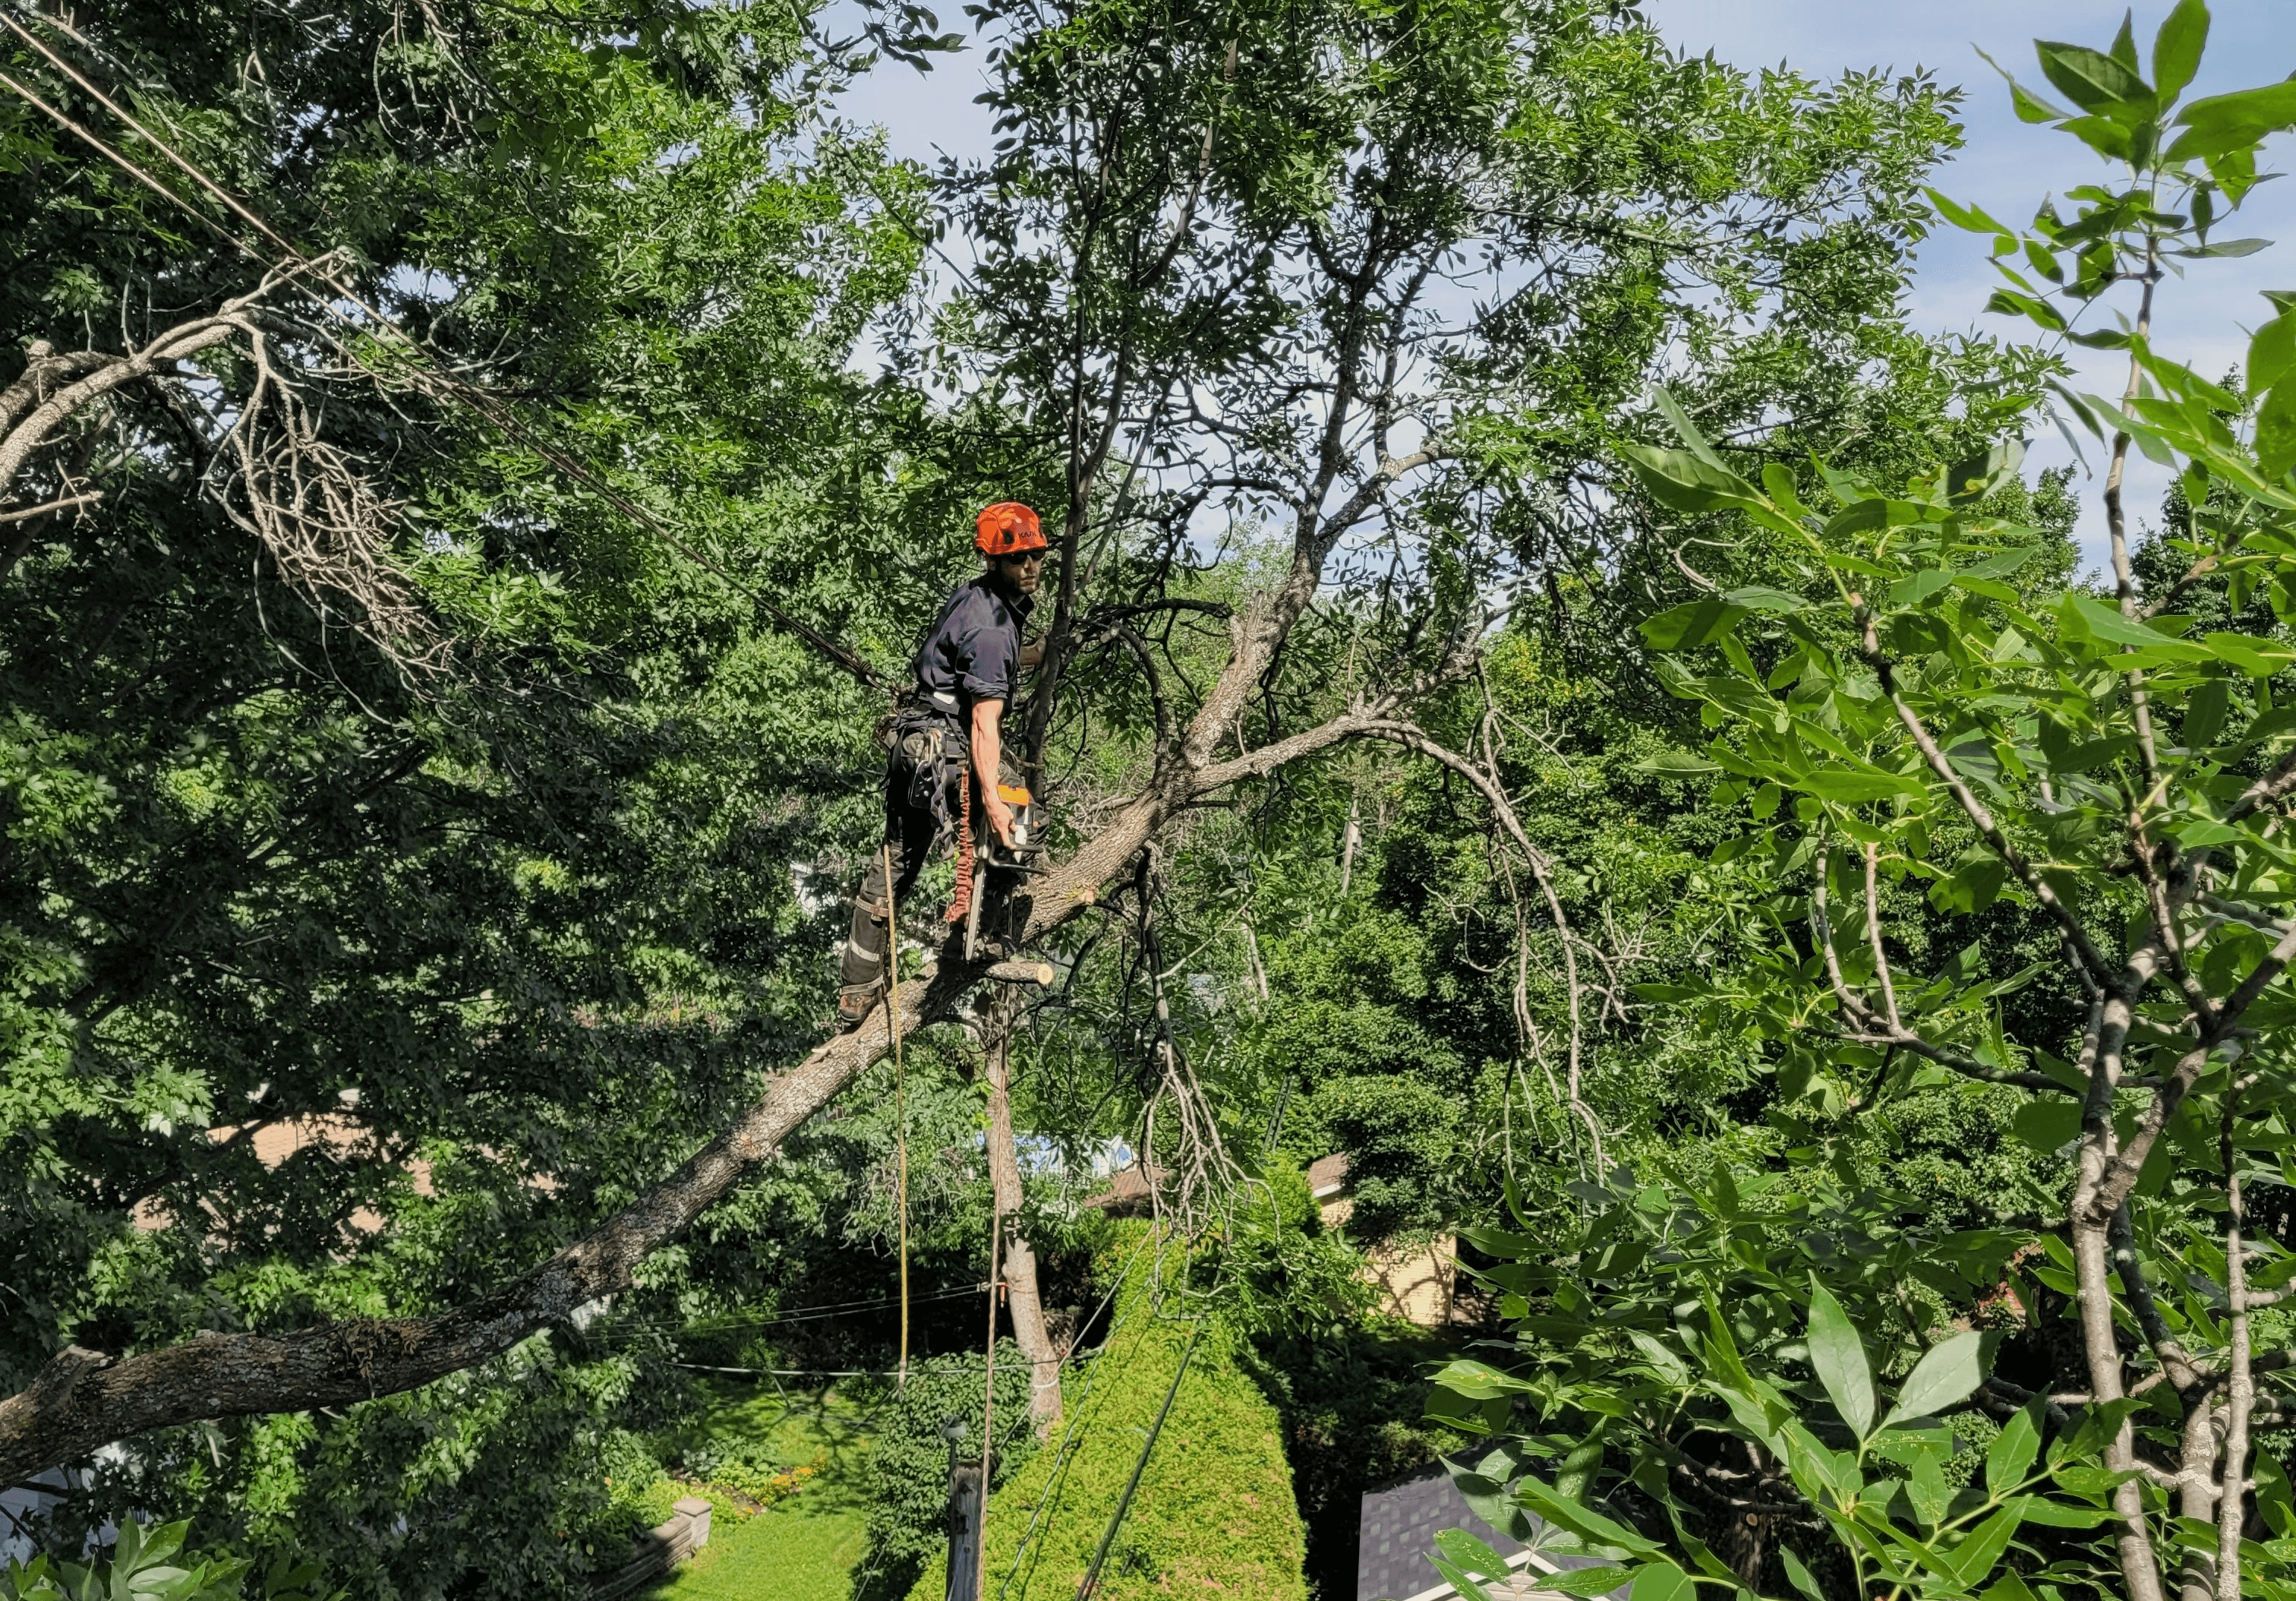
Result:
{"points": [[1064, 1454], [431, 372]]}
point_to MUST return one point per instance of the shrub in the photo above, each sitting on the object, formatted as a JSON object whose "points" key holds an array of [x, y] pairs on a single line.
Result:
{"points": [[144, 1566], [908, 1466], [1214, 1514]]}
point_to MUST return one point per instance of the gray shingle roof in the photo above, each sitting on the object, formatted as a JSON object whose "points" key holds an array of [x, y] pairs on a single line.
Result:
{"points": [[1401, 1521]]}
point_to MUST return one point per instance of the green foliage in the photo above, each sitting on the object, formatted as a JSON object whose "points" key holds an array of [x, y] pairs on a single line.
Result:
{"points": [[1663, 1339], [910, 1461], [1214, 1514], [2110, 767], [149, 1564], [1399, 1132], [495, 947]]}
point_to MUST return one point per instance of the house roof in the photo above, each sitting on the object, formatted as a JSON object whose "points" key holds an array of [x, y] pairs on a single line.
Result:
{"points": [[1127, 1193]]}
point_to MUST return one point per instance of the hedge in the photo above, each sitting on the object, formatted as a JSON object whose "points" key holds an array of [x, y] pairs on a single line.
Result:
{"points": [[1214, 1514]]}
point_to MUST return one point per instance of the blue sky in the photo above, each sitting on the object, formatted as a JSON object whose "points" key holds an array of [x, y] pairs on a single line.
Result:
{"points": [[2007, 167]]}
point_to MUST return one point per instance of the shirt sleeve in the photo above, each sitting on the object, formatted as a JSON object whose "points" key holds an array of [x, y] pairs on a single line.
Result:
{"points": [[988, 652]]}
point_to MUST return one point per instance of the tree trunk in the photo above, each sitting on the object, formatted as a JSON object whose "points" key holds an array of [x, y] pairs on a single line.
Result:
{"points": [[1020, 1265]]}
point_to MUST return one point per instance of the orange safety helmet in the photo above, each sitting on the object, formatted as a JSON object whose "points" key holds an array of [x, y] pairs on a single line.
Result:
{"points": [[1005, 528]]}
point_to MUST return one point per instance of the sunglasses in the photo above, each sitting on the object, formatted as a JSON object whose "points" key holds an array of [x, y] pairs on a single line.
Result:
{"points": [[1019, 557]]}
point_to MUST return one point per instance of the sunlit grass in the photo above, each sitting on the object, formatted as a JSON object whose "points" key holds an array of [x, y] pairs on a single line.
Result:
{"points": [[804, 1547]]}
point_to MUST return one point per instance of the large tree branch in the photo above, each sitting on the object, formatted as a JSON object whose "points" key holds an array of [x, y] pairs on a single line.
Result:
{"points": [[16, 446], [84, 1399]]}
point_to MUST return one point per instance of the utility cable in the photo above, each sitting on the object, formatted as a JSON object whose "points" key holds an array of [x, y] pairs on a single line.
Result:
{"points": [[1068, 1434], [1124, 1502], [433, 372], [623, 1332], [988, 1400]]}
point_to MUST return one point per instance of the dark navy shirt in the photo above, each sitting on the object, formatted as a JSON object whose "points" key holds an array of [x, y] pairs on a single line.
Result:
{"points": [[973, 653]]}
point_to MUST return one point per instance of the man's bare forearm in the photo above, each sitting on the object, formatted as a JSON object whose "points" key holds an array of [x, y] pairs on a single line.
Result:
{"points": [[987, 744]]}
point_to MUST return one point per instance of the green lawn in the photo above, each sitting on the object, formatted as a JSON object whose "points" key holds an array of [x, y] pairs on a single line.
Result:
{"points": [[803, 1549], [793, 1552]]}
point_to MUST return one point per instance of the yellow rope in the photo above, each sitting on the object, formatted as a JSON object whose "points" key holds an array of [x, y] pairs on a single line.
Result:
{"points": [[901, 1108]]}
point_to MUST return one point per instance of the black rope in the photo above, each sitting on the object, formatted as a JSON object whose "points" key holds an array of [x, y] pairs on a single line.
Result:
{"points": [[1124, 1503]]}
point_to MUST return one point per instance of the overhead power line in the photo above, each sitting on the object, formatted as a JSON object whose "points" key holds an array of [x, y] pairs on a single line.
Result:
{"points": [[431, 371]]}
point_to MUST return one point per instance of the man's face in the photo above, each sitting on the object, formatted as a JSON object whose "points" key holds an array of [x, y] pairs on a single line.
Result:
{"points": [[1023, 571]]}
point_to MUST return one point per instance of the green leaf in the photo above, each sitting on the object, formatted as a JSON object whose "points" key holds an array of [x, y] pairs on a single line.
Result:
{"points": [[2273, 1496], [2258, 658], [1587, 1523], [1761, 597], [1683, 481], [1675, 764], [1800, 1576], [1467, 1552], [2104, 136], [1457, 1578], [2000, 564], [1972, 219], [1927, 1491], [2275, 432], [1661, 1581], [1976, 1556], [2093, 81], [1839, 1355], [1971, 479], [1778, 483], [2060, 1514], [2010, 1455], [1944, 1376], [2093, 754], [1587, 1581], [2048, 1126], [2013, 304], [2204, 711], [1669, 1366], [1478, 1381], [1687, 626], [1851, 788], [1502, 1242], [2124, 43], [2176, 48], [2009, 1586], [2223, 248], [1672, 410], [2271, 353], [1917, 588], [2224, 124], [2089, 615], [1484, 1488], [1975, 885]]}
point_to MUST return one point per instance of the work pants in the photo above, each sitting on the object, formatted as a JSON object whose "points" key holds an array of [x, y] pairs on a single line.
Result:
{"points": [[912, 825]]}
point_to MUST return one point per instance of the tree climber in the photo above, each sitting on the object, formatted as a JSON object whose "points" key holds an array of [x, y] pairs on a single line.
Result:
{"points": [[946, 741]]}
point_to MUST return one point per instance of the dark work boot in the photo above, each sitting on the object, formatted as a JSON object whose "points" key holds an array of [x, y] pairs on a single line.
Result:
{"points": [[861, 969]]}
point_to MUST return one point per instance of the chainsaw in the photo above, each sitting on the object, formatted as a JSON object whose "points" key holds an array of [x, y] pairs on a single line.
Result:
{"points": [[991, 855]]}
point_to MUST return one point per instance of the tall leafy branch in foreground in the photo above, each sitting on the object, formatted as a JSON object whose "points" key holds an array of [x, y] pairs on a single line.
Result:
{"points": [[2102, 764]]}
